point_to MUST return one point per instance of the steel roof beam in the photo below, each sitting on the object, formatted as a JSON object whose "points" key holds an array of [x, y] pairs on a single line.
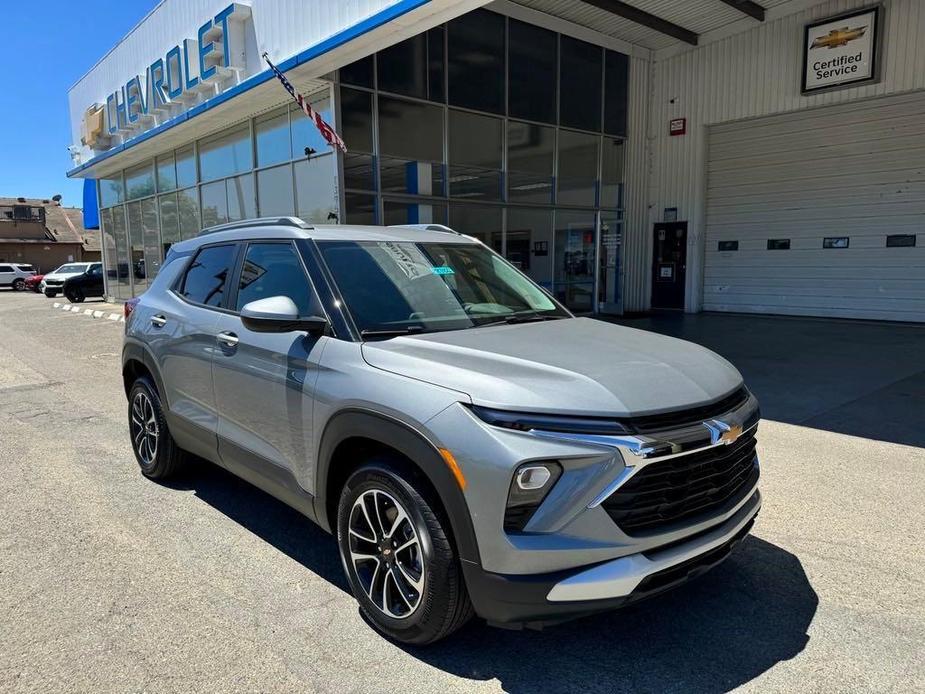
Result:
{"points": [[752, 9], [634, 14]]}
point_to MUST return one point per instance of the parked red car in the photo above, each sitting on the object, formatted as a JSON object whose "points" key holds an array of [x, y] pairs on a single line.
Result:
{"points": [[33, 282]]}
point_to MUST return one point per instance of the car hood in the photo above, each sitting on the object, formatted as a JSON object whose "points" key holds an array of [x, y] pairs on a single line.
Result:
{"points": [[575, 366], [61, 275]]}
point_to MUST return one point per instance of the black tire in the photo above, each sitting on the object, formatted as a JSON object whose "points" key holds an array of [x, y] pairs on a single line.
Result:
{"points": [[75, 296], [36, 288], [50, 294], [19, 284], [441, 605], [156, 452]]}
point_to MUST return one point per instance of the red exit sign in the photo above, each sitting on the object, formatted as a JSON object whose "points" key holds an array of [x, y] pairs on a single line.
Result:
{"points": [[677, 126]]}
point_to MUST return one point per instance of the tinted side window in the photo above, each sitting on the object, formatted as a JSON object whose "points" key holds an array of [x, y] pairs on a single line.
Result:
{"points": [[6, 268], [274, 269], [206, 279]]}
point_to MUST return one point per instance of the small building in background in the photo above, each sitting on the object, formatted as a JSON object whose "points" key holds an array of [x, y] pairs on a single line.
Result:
{"points": [[44, 234]]}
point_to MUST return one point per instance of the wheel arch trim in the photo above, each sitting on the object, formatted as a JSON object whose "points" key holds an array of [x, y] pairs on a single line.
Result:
{"points": [[423, 453], [135, 350]]}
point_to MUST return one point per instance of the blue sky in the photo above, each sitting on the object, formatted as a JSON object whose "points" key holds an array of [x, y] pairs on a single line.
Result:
{"points": [[49, 44]]}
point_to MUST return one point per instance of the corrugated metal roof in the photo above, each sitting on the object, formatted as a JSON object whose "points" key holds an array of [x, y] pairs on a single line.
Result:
{"points": [[699, 16]]}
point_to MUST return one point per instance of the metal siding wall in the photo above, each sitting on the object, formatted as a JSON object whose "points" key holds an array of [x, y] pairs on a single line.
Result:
{"points": [[755, 73], [635, 243]]}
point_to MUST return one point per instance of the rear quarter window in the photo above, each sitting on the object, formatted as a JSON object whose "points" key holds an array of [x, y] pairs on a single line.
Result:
{"points": [[206, 279]]}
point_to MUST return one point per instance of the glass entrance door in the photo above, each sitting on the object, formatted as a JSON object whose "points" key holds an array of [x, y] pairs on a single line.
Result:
{"points": [[575, 259], [610, 281]]}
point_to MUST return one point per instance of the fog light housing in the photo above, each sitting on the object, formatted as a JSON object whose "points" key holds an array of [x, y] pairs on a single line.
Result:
{"points": [[530, 485]]}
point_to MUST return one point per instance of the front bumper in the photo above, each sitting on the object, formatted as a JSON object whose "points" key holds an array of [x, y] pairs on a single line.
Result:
{"points": [[539, 599]]}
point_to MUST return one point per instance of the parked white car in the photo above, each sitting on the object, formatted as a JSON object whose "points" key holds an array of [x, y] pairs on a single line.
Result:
{"points": [[14, 275], [53, 284]]}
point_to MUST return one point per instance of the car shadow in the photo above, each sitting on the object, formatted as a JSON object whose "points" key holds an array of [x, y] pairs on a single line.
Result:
{"points": [[711, 635], [268, 518]]}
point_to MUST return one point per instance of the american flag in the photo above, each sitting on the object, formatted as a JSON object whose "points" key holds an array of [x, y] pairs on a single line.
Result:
{"points": [[327, 132]]}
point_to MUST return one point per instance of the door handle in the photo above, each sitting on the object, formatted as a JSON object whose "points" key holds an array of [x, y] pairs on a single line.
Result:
{"points": [[228, 339], [158, 320]]}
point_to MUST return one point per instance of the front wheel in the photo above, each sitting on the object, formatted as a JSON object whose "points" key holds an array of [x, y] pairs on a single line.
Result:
{"points": [[75, 296], [19, 284], [157, 453], [400, 561], [50, 294]]}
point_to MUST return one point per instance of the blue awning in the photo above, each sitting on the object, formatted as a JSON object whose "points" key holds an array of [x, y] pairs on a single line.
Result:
{"points": [[91, 211]]}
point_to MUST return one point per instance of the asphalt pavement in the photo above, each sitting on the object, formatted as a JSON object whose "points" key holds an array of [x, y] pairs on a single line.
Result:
{"points": [[110, 582]]}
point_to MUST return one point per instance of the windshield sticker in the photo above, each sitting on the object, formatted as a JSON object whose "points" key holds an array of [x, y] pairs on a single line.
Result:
{"points": [[444, 270], [407, 258]]}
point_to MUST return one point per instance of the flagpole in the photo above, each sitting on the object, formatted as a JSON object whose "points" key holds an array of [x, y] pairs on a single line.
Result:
{"points": [[327, 132]]}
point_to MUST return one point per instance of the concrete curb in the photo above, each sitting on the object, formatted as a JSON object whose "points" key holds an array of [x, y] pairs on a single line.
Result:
{"points": [[75, 308]]}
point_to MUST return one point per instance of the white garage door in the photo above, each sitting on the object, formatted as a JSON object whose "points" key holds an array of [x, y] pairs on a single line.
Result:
{"points": [[782, 189]]}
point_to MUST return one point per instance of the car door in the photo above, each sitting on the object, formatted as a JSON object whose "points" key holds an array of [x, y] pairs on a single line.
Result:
{"points": [[264, 382], [179, 327], [94, 285]]}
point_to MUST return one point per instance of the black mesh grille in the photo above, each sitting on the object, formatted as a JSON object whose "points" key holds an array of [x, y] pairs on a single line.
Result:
{"points": [[685, 487]]}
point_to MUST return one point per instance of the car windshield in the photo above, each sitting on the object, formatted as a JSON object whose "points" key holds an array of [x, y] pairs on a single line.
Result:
{"points": [[396, 287], [72, 267]]}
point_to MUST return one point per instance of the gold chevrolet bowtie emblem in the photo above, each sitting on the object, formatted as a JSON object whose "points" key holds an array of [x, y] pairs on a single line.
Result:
{"points": [[721, 432], [839, 37]]}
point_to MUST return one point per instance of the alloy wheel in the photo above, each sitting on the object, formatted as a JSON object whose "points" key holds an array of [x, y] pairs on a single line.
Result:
{"points": [[386, 553], [145, 431]]}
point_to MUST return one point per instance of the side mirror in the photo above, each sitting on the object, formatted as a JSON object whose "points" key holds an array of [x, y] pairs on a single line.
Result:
{"points": [[279, 314]]}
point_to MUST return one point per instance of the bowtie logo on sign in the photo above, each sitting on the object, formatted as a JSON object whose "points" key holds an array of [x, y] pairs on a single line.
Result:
{"points": [[192, 70]]}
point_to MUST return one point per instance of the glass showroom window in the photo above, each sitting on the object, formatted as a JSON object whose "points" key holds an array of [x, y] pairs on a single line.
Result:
{"points": [[122, 288], [575, 259], [166, 169], [188, 210], [532, 60], [271, 132], [316, 189], [186, 166], [529, 242], [139, 181], [577, 179], [170, 221], [275, 192], [356, 108], [530, 161], [226, 154], [411, 142], [475, 155], [484, 222], [136, 236], [475, 61], [112, 191], [580, 72]]}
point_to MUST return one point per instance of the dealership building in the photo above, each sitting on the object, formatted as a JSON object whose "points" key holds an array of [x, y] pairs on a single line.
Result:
{"points": [[718, 155]]}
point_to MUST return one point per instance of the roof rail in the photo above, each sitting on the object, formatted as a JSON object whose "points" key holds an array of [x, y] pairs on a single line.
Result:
{"points": [[258, 222], [428, 227]]}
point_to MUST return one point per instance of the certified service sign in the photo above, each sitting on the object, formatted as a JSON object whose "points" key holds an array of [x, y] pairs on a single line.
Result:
{"points": [[841, 51]]}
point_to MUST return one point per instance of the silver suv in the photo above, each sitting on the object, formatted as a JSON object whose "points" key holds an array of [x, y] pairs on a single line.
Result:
{"points": [[475, 447]]}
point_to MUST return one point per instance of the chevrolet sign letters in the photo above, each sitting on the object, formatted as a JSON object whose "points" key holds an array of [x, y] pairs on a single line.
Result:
{"points": [[172, 83]]}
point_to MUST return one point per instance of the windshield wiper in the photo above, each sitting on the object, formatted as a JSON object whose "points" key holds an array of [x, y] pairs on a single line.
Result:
{"points": [[393, 332], [512, 319]]}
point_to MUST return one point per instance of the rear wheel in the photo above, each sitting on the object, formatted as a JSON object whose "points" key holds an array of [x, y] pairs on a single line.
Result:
{"points": [[75, 295], [157, 453], [396, 550]]}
